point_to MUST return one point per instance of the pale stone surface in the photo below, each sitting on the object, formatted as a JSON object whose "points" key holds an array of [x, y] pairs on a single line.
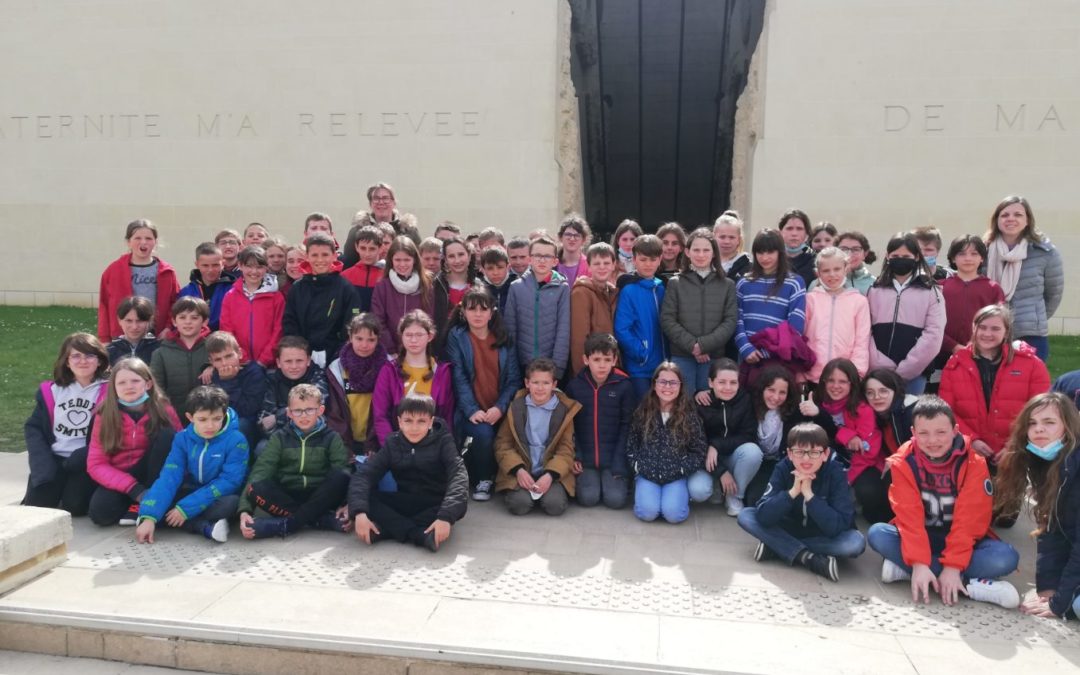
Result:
{"points": [[32, 541], [884, 118], [205, 116], [22, 662]]}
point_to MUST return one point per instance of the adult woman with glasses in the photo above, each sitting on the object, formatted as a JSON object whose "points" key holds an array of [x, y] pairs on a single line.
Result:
{"points": [[382, 208]]}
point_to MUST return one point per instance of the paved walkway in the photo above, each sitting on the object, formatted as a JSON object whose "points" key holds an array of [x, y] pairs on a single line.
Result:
{"points": [[593, 590]]}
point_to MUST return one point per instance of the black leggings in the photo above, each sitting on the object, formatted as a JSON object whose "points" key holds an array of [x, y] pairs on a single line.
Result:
{"points": [[301, 507], [70, 487], [402, 516], [107, 506], [872, 494], [760, 482]]}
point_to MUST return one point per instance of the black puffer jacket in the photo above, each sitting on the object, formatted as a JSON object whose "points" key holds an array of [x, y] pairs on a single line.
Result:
{"points": [[1057, 562], [729, 424], [431, 467], [662, 458]]}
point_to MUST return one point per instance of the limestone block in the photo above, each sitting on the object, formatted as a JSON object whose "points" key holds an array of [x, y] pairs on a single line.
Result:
{"points": [[32, 541]]}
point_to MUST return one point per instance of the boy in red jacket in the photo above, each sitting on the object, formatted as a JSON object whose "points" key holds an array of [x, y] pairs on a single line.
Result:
{"points": [[942, 496], [365, 273]]}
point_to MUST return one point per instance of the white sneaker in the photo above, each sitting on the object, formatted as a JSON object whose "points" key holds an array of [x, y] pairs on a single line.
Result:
{"points": [[891, 572], [997, 592], [482, 493], [734, 505], [218, 531]]}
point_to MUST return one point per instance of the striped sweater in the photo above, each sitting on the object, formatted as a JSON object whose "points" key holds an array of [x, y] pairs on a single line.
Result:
{"points": [[758, 310]]}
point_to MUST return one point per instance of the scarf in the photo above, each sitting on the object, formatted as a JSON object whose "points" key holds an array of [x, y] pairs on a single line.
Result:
{"points": [[770, 431], [362, 370], [702, 272], [835, 409], [405, 286], [1003, 265]]}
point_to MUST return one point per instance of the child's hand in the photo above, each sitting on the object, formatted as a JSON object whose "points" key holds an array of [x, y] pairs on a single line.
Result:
{"points": [[1038, 606], [268, 423], [922, 580], [702, 398], [174, 518], [207, 375], [245, 526], [144, 533], [855, 444], [696, 351], [577, 468], [442, 531], [982, 448], [493, 414], [806, 491], [342, 515], [951, 585], [525, 481], [807, 406], [228, 372], [478, 417], [365, 528], [728, 484], [753, 358], [710, 459], [542, 485], [796, 488]]}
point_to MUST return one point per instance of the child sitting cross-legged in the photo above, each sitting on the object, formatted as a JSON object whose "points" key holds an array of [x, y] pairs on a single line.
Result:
{"points": [[197, 488], [294, 366], [534, 448], [300, 479], [943, 500], [807, 515], [432, 484]]}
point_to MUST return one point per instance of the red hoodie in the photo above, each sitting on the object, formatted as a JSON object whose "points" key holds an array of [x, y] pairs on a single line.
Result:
{"points": [[116, 285], [255, 322]]}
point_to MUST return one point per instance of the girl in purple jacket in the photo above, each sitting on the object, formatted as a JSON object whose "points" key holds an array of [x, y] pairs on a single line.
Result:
{"points": [[413, 371], [405, 286]]}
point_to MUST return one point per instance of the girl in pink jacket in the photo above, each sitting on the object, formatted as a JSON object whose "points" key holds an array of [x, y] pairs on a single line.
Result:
{"points": [[132, 436], [837, 317]]}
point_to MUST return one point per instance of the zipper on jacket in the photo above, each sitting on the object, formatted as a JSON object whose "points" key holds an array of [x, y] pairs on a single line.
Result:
{"points": [[595, 424], [251, 328], [303, 458], [536, 321], [832, 319], [895, 313], [206, 445]]}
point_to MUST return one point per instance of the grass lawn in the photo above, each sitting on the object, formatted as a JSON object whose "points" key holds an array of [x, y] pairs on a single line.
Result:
{"points": [[32, 336]]}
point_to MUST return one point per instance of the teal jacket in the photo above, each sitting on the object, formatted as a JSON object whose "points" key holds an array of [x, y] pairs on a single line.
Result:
{"points": [[214, 466]]}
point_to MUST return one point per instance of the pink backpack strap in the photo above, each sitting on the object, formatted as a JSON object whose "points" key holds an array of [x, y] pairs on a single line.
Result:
{"points": [[50, 402]]}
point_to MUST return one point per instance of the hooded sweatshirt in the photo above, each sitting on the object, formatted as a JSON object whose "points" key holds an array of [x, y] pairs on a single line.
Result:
{"points": [[213, 294], [319, 307], [254, 319]]}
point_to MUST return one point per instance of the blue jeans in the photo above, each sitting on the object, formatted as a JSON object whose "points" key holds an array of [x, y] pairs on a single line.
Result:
{"points": [[991, 558], [1041, 345], [594, 485], [695, 375], [700, 486], [386, 483], [1076, 606], [847, 544], [480, 459], [670, 501], [916, 386], [743, 465]]}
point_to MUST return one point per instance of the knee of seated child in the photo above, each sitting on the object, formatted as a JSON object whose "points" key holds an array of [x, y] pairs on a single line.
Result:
{"points": [[677, 514], [648, 514], [854, 544], [555, 501], [519, 501], [700, 486], [614, 499]]}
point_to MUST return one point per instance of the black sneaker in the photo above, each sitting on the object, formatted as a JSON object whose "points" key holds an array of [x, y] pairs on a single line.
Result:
{"points": [[131, 516], [329, 522], [267, 527], [763, 553], [822, 565]]}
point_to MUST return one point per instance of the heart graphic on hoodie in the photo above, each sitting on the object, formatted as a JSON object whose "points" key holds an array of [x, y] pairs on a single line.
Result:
{"points": [[77, 418]]}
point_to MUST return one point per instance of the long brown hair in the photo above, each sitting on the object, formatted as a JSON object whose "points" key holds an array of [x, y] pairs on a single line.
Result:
{"points": [[1031, 233], [854, 399], [407, 246], [647, 415], [420, 318], [1018, 466], [110, 424], [84, 343]]}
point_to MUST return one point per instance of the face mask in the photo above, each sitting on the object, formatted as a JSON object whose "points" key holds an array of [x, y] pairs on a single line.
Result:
{"points": [[793, 250], [902, 266], [931, 260], [137, 402], [1049, 452]]}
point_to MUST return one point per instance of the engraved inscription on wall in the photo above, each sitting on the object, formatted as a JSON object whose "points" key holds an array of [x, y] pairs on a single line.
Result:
{"points": [[930, 118]]}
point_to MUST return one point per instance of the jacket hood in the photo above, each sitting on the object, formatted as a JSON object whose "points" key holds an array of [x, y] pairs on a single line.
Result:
{"points": [[269, 284], [335, 268], [740, 396], [231, 424], [593, 285], [563, 398], [616, 375], [431, 439], [556, 278], [171, 339], [647, 284], [196, 278]]}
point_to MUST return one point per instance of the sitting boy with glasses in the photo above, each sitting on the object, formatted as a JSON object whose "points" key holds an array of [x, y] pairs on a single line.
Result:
{"points": [[807, 515]]}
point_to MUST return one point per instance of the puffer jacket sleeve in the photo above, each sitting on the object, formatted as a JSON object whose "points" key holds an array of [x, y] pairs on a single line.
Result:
{"points": [[561, 350], [463, 392], [633, 348], [714, 341], [669, 316], [366, 476], [382, 401], [1053, 282], [619, 463], [456, 499], [929, 343], [160, 495], [100, 468], [861, 345], [39, 439], [228, 481], [1068, 584]]}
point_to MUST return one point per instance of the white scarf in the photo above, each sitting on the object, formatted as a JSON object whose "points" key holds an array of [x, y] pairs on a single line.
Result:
{"points": [[405, 286], [1003, 264]]}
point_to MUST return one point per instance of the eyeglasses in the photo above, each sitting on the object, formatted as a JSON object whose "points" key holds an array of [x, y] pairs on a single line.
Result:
{"points": [[570, 234], [384, 198], [78, 356], [807, 454], [228, 242], [668, 383], [851, 249], [542, 256], [303, 412], [876, 393]]}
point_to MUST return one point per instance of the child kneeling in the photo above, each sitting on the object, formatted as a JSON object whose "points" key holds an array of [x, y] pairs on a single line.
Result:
{"points": [[943, 500], [198, 486], [300, 479], [432, 484], [535, 445], [806, 515]]}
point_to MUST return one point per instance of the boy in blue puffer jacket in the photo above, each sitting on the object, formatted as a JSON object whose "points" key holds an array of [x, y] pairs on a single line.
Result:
{"points": [[637, 316], [203, 473]]}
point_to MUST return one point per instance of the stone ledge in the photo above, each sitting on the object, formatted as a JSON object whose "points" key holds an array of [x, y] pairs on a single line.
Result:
{"points": [[32, 541]]}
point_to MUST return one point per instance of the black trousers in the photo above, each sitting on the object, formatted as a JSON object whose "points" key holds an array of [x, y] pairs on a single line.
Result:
{"points": [[108, 506], [759, 483], [301, 506], [70, 488], [872, 494], [401, 516]]}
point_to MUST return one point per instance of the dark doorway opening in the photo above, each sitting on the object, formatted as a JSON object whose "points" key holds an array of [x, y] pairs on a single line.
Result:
{"points": [[657, 83]]}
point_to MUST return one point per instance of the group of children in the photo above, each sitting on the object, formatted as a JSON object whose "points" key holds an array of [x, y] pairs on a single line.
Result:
{"points": [[663, 370]]}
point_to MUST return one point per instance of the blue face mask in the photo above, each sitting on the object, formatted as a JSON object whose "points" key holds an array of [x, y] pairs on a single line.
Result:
{"points": [[931, 260], [1047, 453], [792, 251], [137, 402]]}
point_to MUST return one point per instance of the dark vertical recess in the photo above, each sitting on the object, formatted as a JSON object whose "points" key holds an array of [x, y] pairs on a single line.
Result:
{"points": [[657, 83]]}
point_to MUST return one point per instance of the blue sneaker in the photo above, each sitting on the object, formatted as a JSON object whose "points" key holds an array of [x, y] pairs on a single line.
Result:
{"points": [[267, 527]]}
